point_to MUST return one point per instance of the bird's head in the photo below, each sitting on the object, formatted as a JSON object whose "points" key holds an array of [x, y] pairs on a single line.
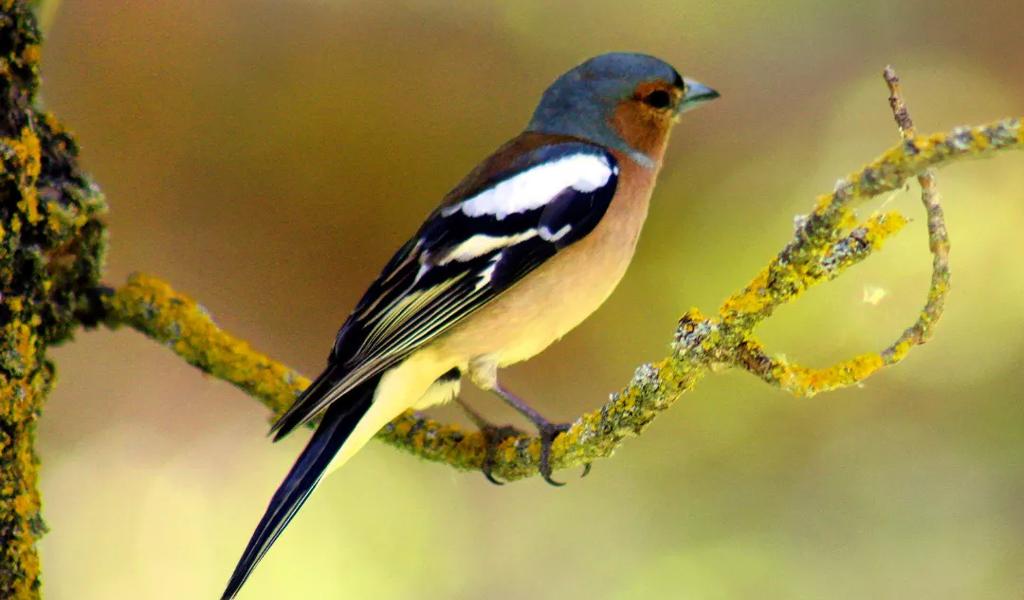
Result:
{"points": [[624, 101]]}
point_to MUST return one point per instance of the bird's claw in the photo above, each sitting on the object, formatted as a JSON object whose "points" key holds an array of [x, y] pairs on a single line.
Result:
{"points": [[493, 437], [548, 433]]}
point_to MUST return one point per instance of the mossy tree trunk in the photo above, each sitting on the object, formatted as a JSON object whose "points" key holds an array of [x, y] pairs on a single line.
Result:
{"points": [[51, 254]]}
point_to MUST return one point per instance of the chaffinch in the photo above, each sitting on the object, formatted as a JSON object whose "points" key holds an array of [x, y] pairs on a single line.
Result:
{"points": [[527, 246]]}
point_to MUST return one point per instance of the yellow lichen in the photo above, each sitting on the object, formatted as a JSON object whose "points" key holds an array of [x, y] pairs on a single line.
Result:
{"points": [[880, 227], [53, 221], [32, 165], [24, 342], [823, 203], [25, 505], [900, 351], [847, 218], [26, 149], [804, 381], [52, 122], [31, 54], [29, 204], [751, 300]]}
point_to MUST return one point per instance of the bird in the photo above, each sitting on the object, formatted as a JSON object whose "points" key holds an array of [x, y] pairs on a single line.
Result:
{"points": [[521, 251]]}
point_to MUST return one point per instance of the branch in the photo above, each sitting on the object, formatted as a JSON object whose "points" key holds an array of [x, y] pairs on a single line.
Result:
{"points": [[825, 244]]}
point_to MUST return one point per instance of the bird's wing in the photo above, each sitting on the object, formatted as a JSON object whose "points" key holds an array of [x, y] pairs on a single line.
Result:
{"points": [[482, 240]]}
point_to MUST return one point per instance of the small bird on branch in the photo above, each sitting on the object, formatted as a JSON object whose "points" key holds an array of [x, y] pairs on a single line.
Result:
{"points": [[520, 252]]}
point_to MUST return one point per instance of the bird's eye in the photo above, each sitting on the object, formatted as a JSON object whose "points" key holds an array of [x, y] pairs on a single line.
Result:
{"points": [[658, 99]]}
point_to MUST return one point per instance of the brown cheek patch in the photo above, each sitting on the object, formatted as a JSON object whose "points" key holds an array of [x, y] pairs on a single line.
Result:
{"points": [[641, 127]]}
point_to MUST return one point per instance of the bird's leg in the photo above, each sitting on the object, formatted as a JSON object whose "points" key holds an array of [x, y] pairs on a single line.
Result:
{"points": [[493, 436], [548, 430]]}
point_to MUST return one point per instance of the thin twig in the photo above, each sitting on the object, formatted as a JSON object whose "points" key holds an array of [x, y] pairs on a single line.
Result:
{"points": [[938, 237], [806, 381]]}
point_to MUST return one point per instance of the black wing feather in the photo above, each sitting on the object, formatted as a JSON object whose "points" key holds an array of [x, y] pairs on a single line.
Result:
{"points": [[419, 295]]}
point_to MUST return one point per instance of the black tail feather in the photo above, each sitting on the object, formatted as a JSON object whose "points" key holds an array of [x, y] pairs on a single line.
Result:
{"points": [[337, 424], [296, 415]]}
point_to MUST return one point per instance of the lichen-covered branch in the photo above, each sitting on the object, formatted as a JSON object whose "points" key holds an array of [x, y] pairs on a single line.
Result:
{"points": [[809, 381], [51, 254], [826, 242]]}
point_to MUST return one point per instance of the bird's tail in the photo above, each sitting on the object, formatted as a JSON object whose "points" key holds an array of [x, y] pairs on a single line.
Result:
{"points": [[338, 421]]}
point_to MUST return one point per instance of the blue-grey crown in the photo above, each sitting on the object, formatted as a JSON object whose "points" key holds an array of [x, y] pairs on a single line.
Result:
{"points": [[581, 102]]}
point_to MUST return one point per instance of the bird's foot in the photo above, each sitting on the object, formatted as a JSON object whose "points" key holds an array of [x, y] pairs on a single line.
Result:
{"points": [[494, 435], [548, 433]]}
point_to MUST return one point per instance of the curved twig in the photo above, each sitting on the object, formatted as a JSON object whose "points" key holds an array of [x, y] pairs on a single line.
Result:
{"points": [[938, 237], [807, 381]]}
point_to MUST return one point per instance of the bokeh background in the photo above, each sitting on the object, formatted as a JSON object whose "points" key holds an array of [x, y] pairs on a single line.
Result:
{"points": [[268, 156]]}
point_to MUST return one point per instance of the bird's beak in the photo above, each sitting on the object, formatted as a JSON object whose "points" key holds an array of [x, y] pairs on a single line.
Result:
{"points": [[696, 94]]}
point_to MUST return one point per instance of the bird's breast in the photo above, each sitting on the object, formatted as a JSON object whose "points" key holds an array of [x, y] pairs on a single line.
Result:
{"points": [[562, 292]]}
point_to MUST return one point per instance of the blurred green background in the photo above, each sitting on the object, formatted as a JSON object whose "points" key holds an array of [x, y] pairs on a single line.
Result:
{"points": [[267, 157]]}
